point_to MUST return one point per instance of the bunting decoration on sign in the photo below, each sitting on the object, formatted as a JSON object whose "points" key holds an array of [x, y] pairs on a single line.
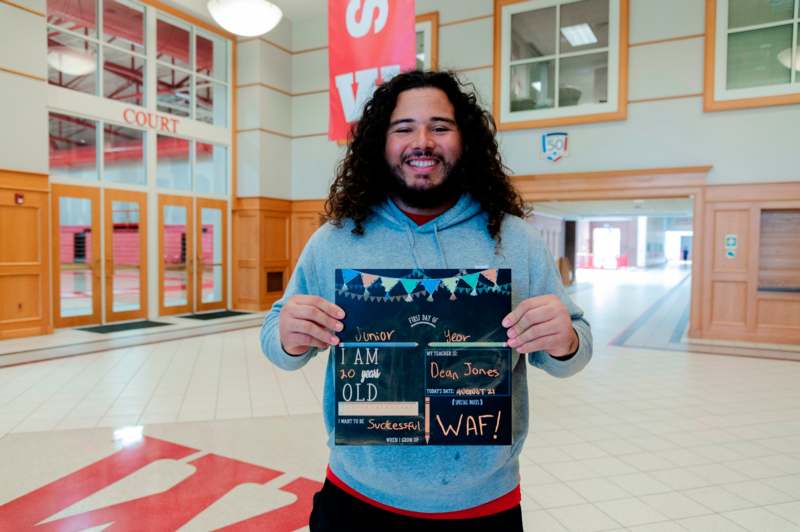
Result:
{"points": [[420, 287]]}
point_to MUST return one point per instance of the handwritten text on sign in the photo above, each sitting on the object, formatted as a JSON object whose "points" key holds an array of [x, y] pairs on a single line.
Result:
{"points": [[414, 367]]}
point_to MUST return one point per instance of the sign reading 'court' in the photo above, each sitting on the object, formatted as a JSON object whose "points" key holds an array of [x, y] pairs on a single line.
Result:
{"points": [[150, 120]]}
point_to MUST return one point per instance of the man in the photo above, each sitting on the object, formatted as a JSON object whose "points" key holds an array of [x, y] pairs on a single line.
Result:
{"points": [[423, 186]]}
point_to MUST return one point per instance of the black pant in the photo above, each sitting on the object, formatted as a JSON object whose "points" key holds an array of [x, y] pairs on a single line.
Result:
{"points": [[337, 510]]}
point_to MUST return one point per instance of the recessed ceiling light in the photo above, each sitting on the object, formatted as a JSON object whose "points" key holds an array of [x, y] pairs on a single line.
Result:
{"points": [[579, 35]]}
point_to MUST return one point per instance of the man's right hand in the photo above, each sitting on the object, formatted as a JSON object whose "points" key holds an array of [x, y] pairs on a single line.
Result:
{"points": [[306, 322]]}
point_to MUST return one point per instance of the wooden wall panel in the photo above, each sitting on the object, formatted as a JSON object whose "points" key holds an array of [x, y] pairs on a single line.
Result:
{"points": [[275, 237], [18, 220], [767, 256], [728, 222], [24, 255], [21, 298], [728, 303], [779, 312], [305, 220], [269, 235], [245, 259], [261, 245]]}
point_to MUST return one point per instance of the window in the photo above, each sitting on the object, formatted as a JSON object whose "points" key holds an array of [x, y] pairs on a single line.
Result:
{"points": [[99, 47], [192, 72], [211, 169], [79, 42], [73, 147], [753, 57], [560, 62], [173, 167], [123, 155], [428, 41]]}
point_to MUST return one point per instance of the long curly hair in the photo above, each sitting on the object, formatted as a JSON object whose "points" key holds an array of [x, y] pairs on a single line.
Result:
{"points": [[363, 177]]}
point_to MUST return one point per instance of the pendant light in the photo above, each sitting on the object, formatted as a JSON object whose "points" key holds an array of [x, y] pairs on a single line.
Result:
{"points": [[248, 18]]}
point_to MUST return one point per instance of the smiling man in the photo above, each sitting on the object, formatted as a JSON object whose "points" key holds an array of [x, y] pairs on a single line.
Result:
{"points": [[422, 186], [423, 144]]}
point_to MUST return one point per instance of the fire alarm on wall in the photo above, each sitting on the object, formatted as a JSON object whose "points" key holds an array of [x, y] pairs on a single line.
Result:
{"points": [[19, 198]]}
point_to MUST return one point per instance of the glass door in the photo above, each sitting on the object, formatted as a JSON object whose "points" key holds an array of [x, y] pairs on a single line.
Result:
{"points": [[212, 231], [175, 271], [125, 255], [76, 255]]}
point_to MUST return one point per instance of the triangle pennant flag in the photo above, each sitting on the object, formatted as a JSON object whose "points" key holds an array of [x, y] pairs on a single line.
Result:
{"points": [[409, 285], [491, 275], [368, 279], [450, 283], [472, 280], [348, 275], [431, 285], [389, 283]]}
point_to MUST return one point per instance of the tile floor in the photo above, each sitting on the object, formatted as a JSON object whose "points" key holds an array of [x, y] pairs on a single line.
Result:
{"points": [[641, 440]]}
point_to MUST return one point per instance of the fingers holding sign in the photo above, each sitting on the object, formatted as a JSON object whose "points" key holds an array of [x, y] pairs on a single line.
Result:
{"points": [[541, 323], [309, 321]]}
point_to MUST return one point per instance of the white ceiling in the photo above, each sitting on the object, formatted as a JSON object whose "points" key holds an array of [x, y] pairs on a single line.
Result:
{"points": [[576, 210]]}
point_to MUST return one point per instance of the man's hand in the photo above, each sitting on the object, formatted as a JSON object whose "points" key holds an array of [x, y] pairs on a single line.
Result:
{"points": [[541, 323], [306, 322]]}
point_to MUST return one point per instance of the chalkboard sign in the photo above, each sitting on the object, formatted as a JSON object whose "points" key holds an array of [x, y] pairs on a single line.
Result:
{"points": [[422, 359]]}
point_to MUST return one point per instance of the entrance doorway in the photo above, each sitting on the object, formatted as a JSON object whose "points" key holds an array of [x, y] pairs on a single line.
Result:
{"points": [[88, 276], [125, 255], [645, 183], [100, 272], [633, 269], [77, 271], [192, 250]]}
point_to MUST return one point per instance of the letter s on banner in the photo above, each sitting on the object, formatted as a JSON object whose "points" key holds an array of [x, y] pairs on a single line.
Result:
{"points": [[368, 43], [358, 28]]}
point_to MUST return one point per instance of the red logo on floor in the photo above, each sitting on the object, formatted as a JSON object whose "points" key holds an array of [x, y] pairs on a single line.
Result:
{"points": [[214, 476]]}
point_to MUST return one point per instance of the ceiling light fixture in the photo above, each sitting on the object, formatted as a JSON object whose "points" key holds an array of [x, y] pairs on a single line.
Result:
{"points": [[785, 57], [579, 35], [248, 18], [71, 61]]}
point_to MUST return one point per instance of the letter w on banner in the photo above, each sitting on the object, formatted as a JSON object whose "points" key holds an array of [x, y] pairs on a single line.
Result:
{"points": [[369, 42]]}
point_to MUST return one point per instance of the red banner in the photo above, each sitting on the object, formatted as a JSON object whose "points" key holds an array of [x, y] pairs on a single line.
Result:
{"points": [[369, 42]]}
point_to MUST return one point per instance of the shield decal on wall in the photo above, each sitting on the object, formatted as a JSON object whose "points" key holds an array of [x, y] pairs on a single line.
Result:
{"points": [[554, 145]]}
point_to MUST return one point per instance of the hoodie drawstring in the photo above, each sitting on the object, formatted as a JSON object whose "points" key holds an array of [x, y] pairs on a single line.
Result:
{"points": [[413, 244], [439, 245]]}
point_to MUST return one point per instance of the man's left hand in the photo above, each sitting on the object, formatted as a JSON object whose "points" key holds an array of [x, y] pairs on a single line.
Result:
{"points": [[541, 323]]}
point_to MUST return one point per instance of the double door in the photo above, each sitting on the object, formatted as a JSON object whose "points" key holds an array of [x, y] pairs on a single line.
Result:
{"points": [[192, 251], [94, 283], [84, 270]]}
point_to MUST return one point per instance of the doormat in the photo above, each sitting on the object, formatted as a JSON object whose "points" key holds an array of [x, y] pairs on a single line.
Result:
{"points": [[214, 315], [104, 329]]}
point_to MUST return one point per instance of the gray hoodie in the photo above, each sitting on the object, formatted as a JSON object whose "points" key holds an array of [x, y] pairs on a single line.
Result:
{"points": [[430, 478]]}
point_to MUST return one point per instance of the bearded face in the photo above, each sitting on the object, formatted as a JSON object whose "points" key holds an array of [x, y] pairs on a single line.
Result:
{"points": [[423, 148]]}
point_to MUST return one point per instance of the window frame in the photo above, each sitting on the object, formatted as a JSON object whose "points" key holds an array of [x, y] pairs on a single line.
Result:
{"points": [[428, 24], [614, 109], [100, 44], [718, 98]]}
